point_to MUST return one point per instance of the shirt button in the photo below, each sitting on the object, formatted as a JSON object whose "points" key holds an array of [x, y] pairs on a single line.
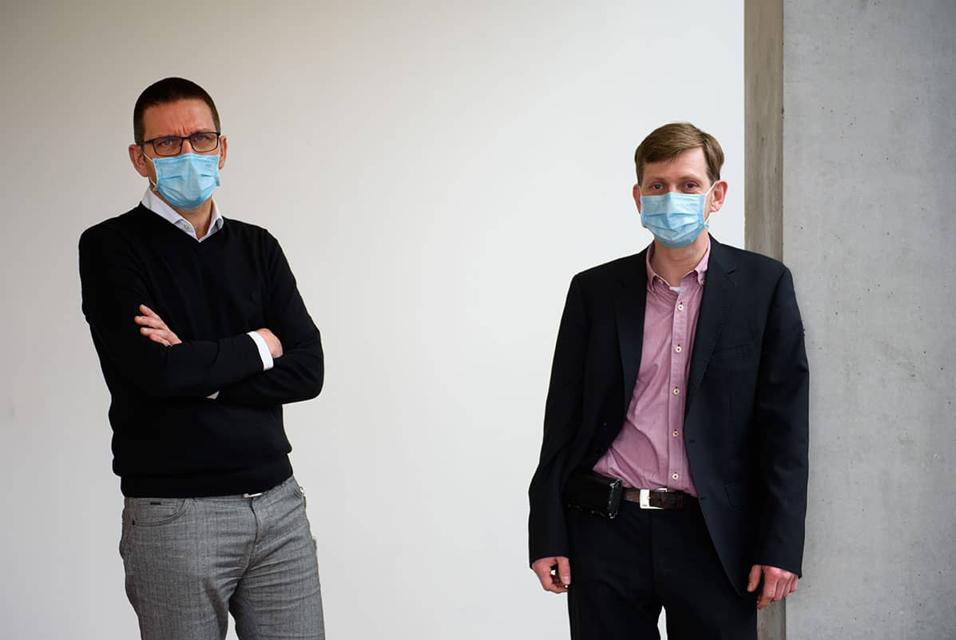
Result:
{"points": [[675, 476], [678, 349], [676, 391], [675, 433], [680, 306]]}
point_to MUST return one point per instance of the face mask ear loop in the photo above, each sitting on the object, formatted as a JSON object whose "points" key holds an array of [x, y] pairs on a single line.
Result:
{"points": [[707, 213], [152, 185], [218, 160]]}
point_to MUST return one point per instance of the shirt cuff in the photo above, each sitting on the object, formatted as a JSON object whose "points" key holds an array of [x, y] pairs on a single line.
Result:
{"points": [[264, 352], [213, 396]]}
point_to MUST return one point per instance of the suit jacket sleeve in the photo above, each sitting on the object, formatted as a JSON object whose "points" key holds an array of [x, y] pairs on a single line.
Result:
{"points": [[299, 373], [114, 286], [562, 421], [782, 420]]}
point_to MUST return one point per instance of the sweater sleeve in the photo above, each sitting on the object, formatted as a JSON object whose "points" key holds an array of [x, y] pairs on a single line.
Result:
{"points": [[114, 285], [299, 373]]}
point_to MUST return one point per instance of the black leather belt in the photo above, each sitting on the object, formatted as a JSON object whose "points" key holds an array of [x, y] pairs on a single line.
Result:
{"points": [[658, 498]]}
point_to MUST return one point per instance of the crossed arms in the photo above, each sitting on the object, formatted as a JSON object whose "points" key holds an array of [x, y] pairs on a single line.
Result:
{"points": [[139, 346]]}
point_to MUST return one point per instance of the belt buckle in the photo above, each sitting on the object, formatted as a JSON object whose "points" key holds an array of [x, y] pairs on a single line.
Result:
{"points": [[645, 500]]}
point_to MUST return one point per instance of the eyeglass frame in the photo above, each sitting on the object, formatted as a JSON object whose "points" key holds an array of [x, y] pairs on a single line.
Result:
{"points": [[181, 140]]}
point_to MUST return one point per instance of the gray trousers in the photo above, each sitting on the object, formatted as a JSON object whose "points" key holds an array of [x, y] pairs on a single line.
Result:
{"points": [[190, 562]]}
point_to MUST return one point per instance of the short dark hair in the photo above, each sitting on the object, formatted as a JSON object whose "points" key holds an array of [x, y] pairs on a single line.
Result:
{"points": [[165, 91], [669, 141]]}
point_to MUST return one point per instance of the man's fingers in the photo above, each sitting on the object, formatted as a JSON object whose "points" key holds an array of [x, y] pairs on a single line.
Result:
{"points": [[152, 326], [769, 589], [543, 572], [149, 321], [554, 588], [164, 337], [156, 336], [790, 585], [564, 571], [147, 311], [549, 574], [754, 579], [781, 590], [777, 584]]}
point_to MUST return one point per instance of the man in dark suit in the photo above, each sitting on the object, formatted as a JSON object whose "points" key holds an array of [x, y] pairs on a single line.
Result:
{"points": [[673, 470]]}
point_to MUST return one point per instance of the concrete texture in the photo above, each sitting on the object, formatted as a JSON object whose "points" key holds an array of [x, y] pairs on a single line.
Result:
{"points": [[869, 148], [763, 139]]}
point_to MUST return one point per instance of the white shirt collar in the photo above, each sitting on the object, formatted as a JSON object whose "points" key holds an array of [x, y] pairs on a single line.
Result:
{"points": [[156, 204]]}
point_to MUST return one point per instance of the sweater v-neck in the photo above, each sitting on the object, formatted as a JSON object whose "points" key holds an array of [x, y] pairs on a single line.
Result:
{"points": [[168, 227]]}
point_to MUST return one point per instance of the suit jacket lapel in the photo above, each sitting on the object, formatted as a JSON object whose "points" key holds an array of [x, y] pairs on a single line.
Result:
{"points": [[631, 298], [719, 292]]}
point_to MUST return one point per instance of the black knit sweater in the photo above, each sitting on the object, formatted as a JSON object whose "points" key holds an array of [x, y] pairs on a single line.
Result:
{"points": [[169, 438]]}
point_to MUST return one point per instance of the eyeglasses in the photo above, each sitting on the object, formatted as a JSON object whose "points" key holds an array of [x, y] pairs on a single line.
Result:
{"points": [[201, 142]]}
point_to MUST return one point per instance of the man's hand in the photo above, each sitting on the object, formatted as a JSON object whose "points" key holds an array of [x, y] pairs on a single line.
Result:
{"points": [[554, 573], [275, 346], [777, 583], [153, 327]]}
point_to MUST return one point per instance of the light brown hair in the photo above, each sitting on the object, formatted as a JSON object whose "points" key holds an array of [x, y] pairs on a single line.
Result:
{"points": [[669, 141]]}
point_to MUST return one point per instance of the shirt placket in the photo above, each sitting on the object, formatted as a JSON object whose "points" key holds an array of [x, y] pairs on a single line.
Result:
{"points": [[675, 405]]}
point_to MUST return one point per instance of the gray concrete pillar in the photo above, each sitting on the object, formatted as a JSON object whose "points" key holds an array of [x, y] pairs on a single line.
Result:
{"points": [[851, 143]]}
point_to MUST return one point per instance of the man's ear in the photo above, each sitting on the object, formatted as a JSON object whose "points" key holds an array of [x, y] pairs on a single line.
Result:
{"points": [[718, 196], [224, 148], [636, 192], [139, 162]]}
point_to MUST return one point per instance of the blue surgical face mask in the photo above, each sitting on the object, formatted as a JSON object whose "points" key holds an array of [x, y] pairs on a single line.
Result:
{"points": [[187, 180], [675, 219]]}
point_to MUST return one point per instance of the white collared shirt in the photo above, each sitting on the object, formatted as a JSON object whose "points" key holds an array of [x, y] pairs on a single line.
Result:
{"points": [[158, 206]]}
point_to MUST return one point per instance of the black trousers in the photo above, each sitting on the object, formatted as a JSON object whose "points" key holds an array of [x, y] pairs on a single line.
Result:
{"points": [[624, 570]]}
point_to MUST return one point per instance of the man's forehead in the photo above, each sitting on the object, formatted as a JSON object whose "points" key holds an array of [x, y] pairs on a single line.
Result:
{"points": [[687, 164], [187, 113]]}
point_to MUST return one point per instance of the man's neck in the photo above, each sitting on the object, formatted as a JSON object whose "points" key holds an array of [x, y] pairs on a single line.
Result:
{"points": [[673, 263]]}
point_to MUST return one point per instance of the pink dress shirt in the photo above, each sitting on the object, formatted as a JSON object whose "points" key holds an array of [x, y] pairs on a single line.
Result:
{"points": [[648, 453]]}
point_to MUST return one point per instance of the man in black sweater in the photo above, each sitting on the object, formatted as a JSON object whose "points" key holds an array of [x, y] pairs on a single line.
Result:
{"points": [[202, 337]]}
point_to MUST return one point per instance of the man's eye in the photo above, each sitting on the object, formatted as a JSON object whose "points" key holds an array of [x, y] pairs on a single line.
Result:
{"points": [[166, 143], [202, 138]]}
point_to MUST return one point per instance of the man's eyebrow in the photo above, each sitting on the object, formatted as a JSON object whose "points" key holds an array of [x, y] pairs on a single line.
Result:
{"points": [[683, 178], [176, 135]]}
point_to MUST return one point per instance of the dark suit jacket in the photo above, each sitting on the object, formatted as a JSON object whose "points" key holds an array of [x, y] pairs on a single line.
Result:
{"points": [[746, 422]]}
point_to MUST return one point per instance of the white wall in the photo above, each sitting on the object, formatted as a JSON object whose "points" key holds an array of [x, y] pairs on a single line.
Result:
{"points": [[436, 172]]}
